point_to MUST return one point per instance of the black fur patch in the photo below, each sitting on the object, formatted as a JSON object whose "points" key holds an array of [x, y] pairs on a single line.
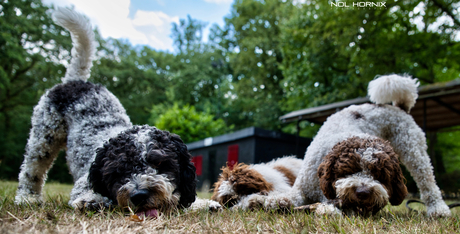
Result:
{"points": [[357, 115], [64, 95]]}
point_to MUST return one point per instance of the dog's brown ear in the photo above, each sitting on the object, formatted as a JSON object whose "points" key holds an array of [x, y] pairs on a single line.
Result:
{"points": [[326, 177], [398, 186], [247, 181], [225, 200], [388, 171]]}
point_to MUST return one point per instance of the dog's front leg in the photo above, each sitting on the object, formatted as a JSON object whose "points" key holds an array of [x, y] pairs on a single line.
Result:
{"points": [[83, 197]]}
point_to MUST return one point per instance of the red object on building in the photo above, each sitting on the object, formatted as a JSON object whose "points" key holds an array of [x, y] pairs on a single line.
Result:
{"points": [[232, 156], [198, 162]]}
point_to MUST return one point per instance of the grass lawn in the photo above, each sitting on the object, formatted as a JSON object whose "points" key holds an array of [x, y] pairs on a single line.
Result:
{"points": [[55, 216]]}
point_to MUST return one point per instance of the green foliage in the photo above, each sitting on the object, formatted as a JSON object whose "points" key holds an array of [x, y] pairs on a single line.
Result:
{"points": [[253, 33], [60, 171], [189, 124], [138, 77], [200, 74], [448, 146], [306, 129], [330, 54], [188, 34], [31, 48]]}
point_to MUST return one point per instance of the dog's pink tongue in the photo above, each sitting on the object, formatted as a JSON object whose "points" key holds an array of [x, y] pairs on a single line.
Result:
{"points": [[149, 213]]}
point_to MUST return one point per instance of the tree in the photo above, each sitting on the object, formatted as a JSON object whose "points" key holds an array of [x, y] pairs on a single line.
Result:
{"points": [[188, 34], [138, 77], [253, 32], [330, 54], [31, 51], [189, 124], [200, 74]]}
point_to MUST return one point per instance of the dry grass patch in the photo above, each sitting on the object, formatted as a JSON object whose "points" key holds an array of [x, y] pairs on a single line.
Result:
{"points": [[55, 216]]}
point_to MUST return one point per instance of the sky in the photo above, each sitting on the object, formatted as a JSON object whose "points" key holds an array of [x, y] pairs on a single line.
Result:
{"points": [[147, 22]]}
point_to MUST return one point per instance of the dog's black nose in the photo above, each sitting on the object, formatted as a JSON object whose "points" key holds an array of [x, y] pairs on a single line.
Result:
{"points": [[139, 197], [362, 193]]}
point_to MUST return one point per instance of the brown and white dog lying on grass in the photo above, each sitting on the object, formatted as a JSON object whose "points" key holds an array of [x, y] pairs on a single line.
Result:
{"points": [[236, 184]]}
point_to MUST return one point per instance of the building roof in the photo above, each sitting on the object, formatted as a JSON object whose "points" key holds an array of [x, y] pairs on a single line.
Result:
{"points": [[438, 106], [240, 134]]}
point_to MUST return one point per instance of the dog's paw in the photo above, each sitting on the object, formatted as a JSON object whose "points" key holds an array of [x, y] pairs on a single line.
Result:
{"points": [[30, 199], [205, 204], [91, 201], [327, 209], [277, 202], [268, 202], [256, 202], [281, 203], [214, 206], [438, 209]]}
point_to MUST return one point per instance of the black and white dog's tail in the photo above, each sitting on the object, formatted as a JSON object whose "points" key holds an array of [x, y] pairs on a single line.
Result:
{"points": [[401, 91], [82, 40]]}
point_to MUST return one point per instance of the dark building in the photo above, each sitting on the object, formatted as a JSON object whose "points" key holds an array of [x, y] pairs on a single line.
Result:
{"points": [[249, 145]]}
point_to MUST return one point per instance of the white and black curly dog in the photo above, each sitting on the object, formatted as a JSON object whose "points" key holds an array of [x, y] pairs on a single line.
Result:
{"points": [[112, 162], [352, 164]]}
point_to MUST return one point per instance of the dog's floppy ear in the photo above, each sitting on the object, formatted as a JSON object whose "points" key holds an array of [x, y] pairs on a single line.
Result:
{"points": [[398, 186], [247, 181], [389, 173], [187, 173], [227, 200], [327, 177], [95, 177]]}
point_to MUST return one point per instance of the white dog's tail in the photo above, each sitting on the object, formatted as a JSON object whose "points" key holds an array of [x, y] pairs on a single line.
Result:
{"points": [[82, 40], [401, 91]]}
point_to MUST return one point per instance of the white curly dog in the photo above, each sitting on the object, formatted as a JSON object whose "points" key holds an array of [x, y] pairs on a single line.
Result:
{"points": [[360, 136]]}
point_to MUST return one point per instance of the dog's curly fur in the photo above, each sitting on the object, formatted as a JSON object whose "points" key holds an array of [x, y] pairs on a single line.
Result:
{"points": [[237, 183], [352, 162], [112, 161], [360, 180]]}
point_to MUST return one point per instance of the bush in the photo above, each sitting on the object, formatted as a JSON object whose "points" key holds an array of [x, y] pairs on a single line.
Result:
{"points": [[188, 123]]}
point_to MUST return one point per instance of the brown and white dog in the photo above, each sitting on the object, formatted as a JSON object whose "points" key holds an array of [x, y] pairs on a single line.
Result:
{"points": [[352, 163], [236, 184]]}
